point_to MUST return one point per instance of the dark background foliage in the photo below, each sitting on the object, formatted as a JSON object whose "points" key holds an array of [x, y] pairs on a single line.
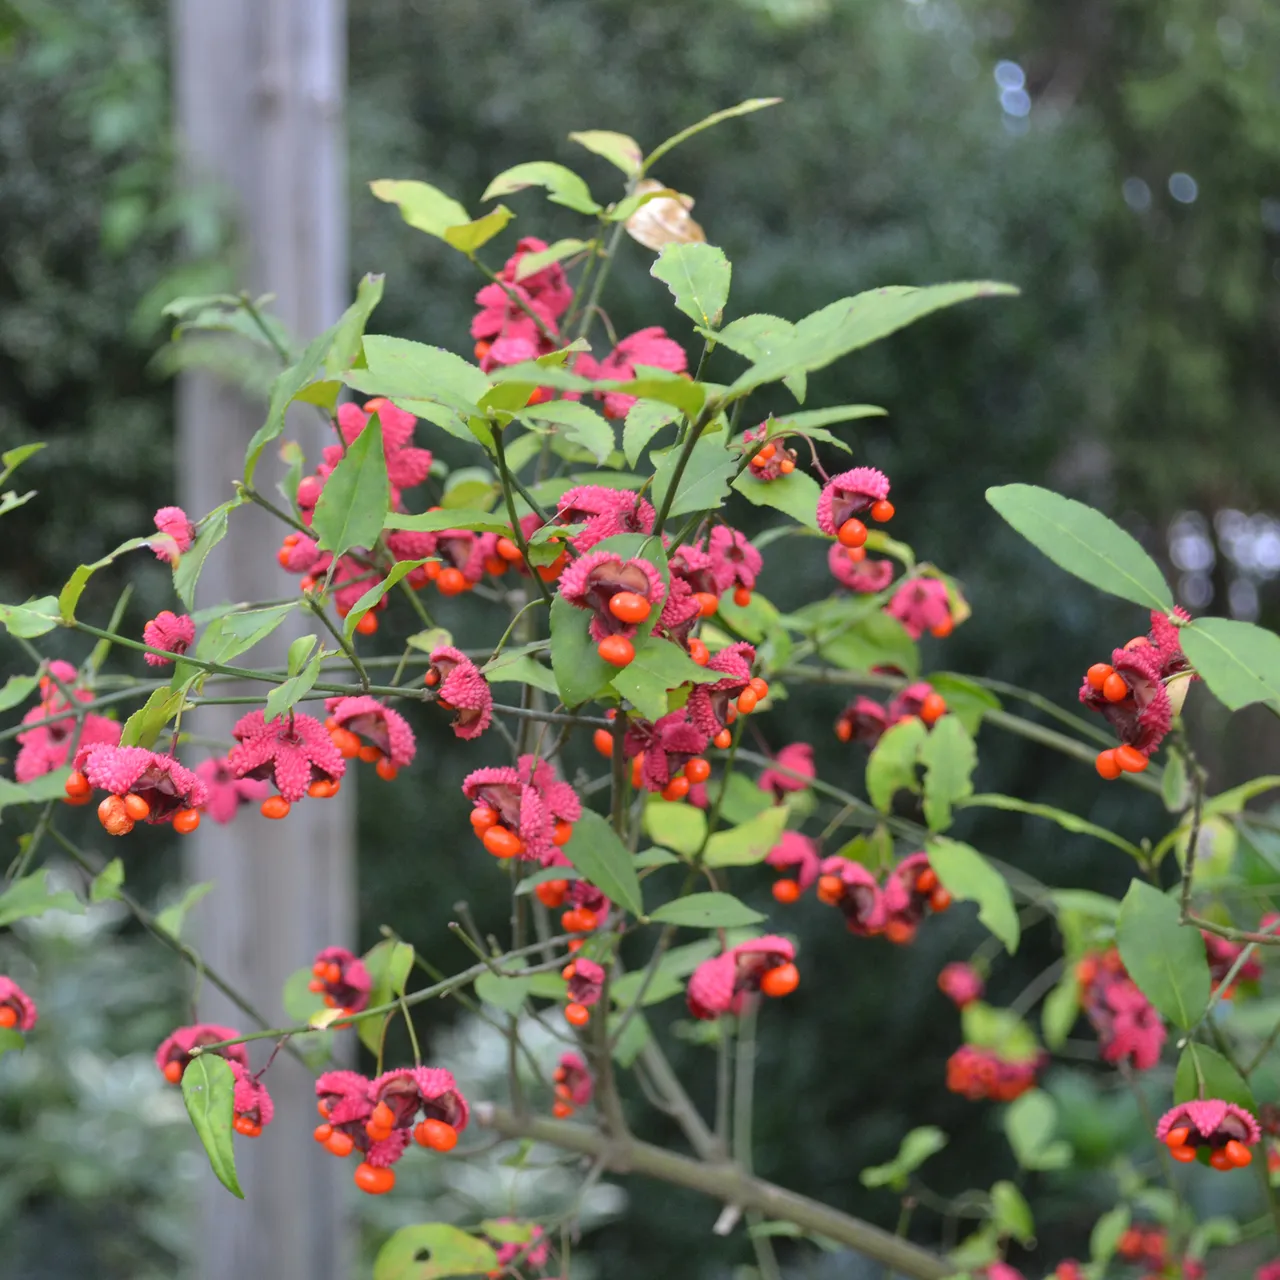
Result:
{"points": [[1136, 371]]}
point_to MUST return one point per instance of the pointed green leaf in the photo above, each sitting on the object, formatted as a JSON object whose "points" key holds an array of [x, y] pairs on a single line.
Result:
{"points": [[353, 505], [448, 518], [208, 1089], [659, 665], [520, 669], [1029, 1124], [577, 423], [1084, 543], [389, 964], [235, 633], [531, 263], [1205, 1073], [1106, 1233], [16, 689], [797, 494], [31, 896], [400, 569], [704, 483], [173, 917], [716, 117], [645, 419], [969, 877], [49, 786], [876, 640], [852, 323], [891, 766], [563, 186], [422, 206], [470, 236], [1238, 661], [414, 371], [71, 593], [603, 859], [949, 758], [1060, 1010], [749, 842], [916, 1147], [284, 696], [698, 276], [999, 1030], [505, 993], [676, 826], [12, 459], [348, 333], [186, 573], [1010, 1213], [106, 884], [32, 619], [146, 724], [617, 148], [581, 673], [289, 382], [299, 652], [1165, 958], [669, 979], [706, 911], [807, 423], [433, 1251]]}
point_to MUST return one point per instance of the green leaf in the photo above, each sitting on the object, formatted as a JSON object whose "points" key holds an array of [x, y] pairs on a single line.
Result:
{"points": [[70, 595], [676, 826], [949, 758], [408, 372], [706, 911], [749, 842], [507, 1232], [698, 276], [354, 503], [876, 640], [531, 263], [1060, 1010], [757, 337], [645, 419], [16, 689], [186, 573], [400, 569], [49, 786], [1067, 821], [505, 993], [1165, 958], [470, 236], [659, 665], [293, 690], [605, 861], [967, 701], [232, 634], [851, 323], [32, 619], [809, 422], [891, 766], [348, 333], [208, 1089], [31, 896], [1029, 1124], [1238, 661], [917, 1146], [563, 186], [299, 652], [450, 518], [1083, 542], [1106, 1233], [581, 425], [669, 977], [1096, 906], [581, 673], [969, 877], [389, 964], [521, 669], [1010, 1213], [12, 459], [617, 148], [173, 917], [288, 383], [106, 884], [422, 206], [741, 109], [1205, 1073], [796, 494], [743, 799], [297, 999], [145, 725], [11, 1039], [704, 483], [999, 1030]]}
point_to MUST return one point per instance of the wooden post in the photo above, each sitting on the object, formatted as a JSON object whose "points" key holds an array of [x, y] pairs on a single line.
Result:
{"points": [[258, 92]]}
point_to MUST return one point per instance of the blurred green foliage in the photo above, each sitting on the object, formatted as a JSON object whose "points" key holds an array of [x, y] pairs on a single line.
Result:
{"points": [[1137, 371]]}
